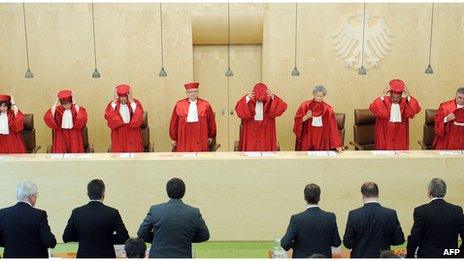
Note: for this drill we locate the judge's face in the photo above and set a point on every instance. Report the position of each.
(66, 105)
(460, 99)
(3, 107)
(318, 96)
(192, 94)
(123, 99)
(395, 97)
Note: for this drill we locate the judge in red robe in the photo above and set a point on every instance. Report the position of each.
(66, 119)
(258, 111)
(449, 124)
(315, 126)
(124, 117)
(392, 116)
(11, 126)
(192, 125)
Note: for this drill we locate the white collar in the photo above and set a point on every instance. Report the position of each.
(195, 101)
(98, 200)
(312, 206)
(371, 200)
(26, 202)
(432, 199)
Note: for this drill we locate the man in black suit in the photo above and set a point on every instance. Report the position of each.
(437, 226)
(24, 230)
(372, 228)
(95, 226)
(171, 227)
(312, 231)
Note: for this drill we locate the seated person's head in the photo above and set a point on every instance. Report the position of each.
(135, 248)
(96, 189)
(312, 194)
(175, 188)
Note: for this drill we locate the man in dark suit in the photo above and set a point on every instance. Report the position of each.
(95, 226)
(24, 230)
(312, 231)
(372, 228)
(437, 226)
(171, 227)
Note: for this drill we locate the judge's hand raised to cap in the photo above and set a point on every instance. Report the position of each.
(270, 93)
(386, 91)
(406, 91)
(129, 97)
(450, 117)
(251, 95)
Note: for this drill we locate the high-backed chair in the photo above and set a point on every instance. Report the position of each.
(340, 118)
(429, 130)
(237, 142)
(29, 134)
(88, 147)
(147, 145)
(363, 130)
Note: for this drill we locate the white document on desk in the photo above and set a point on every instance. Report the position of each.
(126, 155)
(252, 153)
(268, 154)
(189, 155)
(383, 153)
(6, 158)
(57, 156)
(450, 152)
(326, 153)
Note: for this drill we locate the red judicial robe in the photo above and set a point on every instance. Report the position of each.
(259, 135)
(448, 136)
(13, 142)
(393, 135)
(192, 136)
(125, 137)
(310, 137)
(67, 140)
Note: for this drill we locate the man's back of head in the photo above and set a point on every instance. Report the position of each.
(27, 192)
(370, 190)
(135, 248)
(96, 189)
(312, 194)
(175, 188)
(437, 188)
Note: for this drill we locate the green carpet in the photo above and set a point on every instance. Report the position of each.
(212, 249)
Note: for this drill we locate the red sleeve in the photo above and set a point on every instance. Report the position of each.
(243, 109)
(278, 107)
(18, 122)
(136, 120)
(173, 125)
(379, 109)
(412, 108)
(50, 120)
(335, 139)
(440, 121)
(113, 119)
(298, 124)
(81, 119)
(211, 122)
